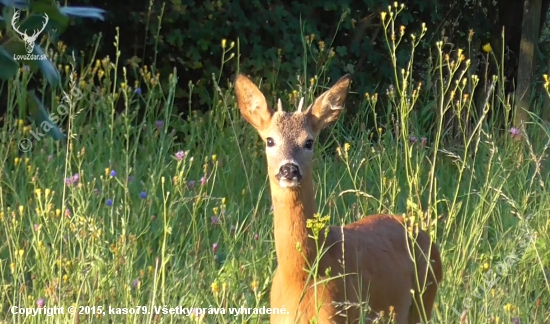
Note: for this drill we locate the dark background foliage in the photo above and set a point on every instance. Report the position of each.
(270, 36)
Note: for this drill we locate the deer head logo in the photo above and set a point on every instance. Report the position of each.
(29, 40)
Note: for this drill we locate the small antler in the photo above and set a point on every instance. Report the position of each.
(279, 105)
(300, 104)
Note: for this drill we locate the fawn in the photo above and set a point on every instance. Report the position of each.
(378, 259)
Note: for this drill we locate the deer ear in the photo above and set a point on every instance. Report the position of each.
(327, 107)
(252, 103)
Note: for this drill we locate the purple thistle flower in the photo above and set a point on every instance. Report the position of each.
(191, 183)
(109, 202)
(159, 124)
(203, 181)
(214, 247)
(256, 236)
(130, 178)
(413, 139)
(179, 155)
(36, 227)
(135, 283)
(40, 302)
(215, 220)
(112, 173)
(68, 212)
(96, 191)
(514, 132)
(72, 180)
(143, 195)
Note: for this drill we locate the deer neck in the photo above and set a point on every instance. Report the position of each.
(292, 208)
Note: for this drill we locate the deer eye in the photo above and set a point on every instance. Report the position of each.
(270, 142)
(309, 144)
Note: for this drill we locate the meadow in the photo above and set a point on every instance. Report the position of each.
(154, 209)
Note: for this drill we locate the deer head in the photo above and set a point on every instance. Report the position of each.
(289, 137)
(29, 40)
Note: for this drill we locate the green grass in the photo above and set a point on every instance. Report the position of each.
(140, 228)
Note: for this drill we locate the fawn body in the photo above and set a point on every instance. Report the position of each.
(375, 259)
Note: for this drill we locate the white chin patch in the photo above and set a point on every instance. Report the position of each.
(284, 183)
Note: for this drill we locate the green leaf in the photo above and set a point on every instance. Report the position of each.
(16, 46)
(49, 71)
(9, 66)
(406, 18)
(57, 19)
(18, 4)
(342, 51)
(41, 118)
(83, 12)
(47, 67)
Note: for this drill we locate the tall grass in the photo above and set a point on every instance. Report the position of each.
(159, 210)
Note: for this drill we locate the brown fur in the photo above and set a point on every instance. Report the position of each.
(376, 249)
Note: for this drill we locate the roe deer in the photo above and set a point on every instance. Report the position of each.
(380, 260)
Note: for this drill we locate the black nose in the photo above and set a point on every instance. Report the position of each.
(290, 171)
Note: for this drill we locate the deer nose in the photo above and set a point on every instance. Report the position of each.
(290, 171)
